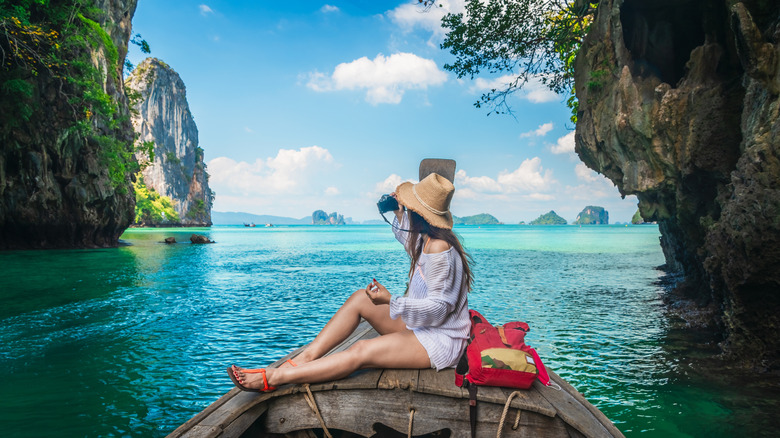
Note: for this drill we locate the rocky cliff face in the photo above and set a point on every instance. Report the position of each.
(679, 105)
(56, 190)
(163, 116)
(592, 215)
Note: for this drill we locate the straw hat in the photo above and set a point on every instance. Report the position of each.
(430, 198)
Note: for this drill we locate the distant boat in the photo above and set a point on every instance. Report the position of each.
(269, 225)
(249, 225)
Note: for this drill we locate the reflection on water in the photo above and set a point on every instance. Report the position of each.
(134, 340)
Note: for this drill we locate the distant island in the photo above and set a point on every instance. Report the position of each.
(477, 219)
(592, 215)
(238, 218)
(549, 218)
(319, 217)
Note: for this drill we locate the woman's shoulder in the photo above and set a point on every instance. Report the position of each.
(436, 246)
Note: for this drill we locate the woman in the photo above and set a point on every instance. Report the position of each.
(427, 328)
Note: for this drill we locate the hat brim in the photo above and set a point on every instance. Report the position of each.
(405, 195)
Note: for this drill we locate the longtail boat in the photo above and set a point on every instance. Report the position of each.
(396, 403)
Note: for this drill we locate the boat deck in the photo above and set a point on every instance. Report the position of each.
(392, 402)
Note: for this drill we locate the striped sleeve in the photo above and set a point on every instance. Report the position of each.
(400, 235)
(442, 280)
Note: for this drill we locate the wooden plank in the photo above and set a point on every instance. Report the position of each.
(443, 383)
(238, 426)
(402, 379)
(199, 431)
(440, 383)
(197, 418)
(573, 411)
(361, 379)
(358, 411)
(529, 400)
(235, 407)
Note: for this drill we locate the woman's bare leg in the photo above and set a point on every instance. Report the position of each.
(346, 320)
(395, 350)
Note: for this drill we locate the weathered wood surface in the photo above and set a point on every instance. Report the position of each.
(367, 398)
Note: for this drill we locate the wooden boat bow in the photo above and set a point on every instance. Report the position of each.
(393, 402)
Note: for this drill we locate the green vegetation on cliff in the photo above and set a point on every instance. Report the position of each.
(150, 207)
(549, 218)
(637, 218)
(50, 75)
(592, 215)
(477, 219)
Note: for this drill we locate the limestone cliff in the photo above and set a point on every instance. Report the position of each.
(162, 115)
(62, 149)
(592, 215)
(679, 105)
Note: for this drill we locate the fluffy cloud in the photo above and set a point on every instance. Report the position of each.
(564, 145)
(584, 173)
(205, 10)
(386, 186)
(596, 186)
(290, 172)
(329, 8)
(528, 179)
(409, 16)
(385, 78)
(541, 131)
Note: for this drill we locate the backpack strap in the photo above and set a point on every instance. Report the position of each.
(461, 370)
(473, 409)
(502, 334)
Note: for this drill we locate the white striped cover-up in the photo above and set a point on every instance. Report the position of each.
(436, 308)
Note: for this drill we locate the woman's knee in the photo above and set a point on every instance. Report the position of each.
(360, 353)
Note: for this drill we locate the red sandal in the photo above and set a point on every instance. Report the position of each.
(233, 377)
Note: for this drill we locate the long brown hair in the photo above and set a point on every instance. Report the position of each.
(417, 226)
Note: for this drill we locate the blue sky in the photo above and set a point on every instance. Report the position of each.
(305, 105)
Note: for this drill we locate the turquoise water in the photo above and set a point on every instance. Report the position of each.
(133, 341)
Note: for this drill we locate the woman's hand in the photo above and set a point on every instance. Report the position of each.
(400, 212)
(377, 293)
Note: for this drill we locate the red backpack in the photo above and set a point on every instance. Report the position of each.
(497, 356)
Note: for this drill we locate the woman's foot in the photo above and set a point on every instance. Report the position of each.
(261, 380)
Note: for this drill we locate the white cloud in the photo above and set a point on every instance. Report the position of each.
(248, 129)
(332, 191)
(385, 78)
(536, 92)
(596, 186)
(411, 15)
(289, 172)
(530, 177)
(205, 10)
(541, 131)
(584, 173)
(482, 85)
(387, 186)
(564, 145)
(329, 8)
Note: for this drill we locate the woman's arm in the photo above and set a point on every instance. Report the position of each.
(443, 283)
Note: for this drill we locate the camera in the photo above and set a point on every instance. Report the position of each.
(387, 203)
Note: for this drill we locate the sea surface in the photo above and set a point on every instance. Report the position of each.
(134, 341)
